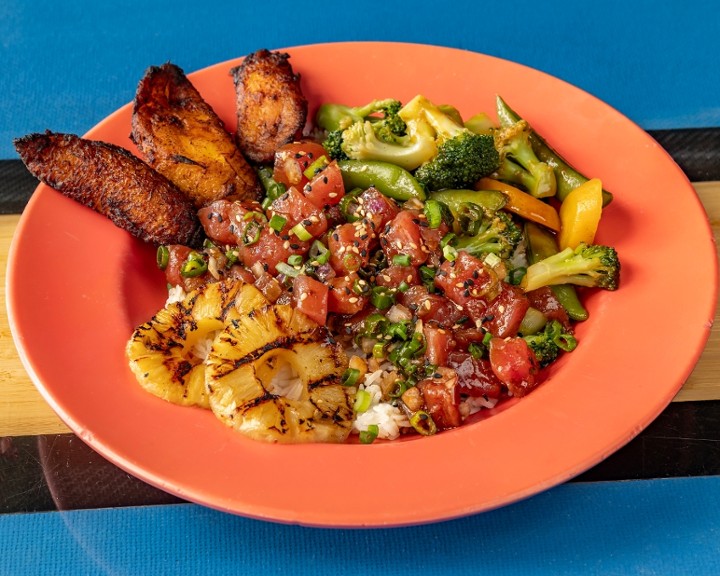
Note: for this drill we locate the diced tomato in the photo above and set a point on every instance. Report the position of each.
(401, 236)
(475, 375)
(326, 188)
(349, 246)
(442, 399)
(342, 298)
(506, 311)
(241, 273)
(394, 276)
(224, 221)
(270, 249)
(427, 306)
(377, 208)
(544, 300)
(432, 236)
(439, 342)
(514, 363)
(292, 159)
(298, 210)
(466, 278)
(178, 255)
(311, 298)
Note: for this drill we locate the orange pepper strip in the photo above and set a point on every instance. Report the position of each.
(523, 204)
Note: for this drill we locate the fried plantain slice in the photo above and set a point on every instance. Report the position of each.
(113, 182)
(271, 108)
(181, 136)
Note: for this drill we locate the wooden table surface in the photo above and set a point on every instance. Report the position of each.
(23, 411)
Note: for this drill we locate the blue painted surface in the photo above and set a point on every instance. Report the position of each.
(66, 65)
(648, 527)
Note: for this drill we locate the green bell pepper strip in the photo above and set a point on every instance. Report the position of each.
(391, 180)
(568, 178)
(541, 244)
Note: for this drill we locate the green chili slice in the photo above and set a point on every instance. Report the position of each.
(286, 269)
(251, 234)
(194, 266)
(423, 423)
(319, 253)
(295, 260)
(163, 257)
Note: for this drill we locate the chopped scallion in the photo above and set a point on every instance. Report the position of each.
(301, 232)
(401, 260)
(277, 222)
(381, 297)
(286, 269)
(194, 266)
(363, 400)
(295, 260)
(315, 167)
(350, 377)
(433, 213)
(368, 436)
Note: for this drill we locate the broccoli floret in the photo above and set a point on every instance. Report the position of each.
(493, 232)
(331, 117)
(548, 344)
(375, 132)
(591, 265)
(462, 156)
(333, 145)
(363, 141)
(519, 164)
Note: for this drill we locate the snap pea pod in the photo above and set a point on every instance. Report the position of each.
(542, 244)
(391, 180)
(489, 199)
(568, 178)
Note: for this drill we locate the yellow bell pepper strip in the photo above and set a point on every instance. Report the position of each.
(522, 203)
(580, 215)
(568, 178)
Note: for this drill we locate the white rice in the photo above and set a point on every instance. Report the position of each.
(388, 418)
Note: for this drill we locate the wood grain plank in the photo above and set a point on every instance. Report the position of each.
(23, 411)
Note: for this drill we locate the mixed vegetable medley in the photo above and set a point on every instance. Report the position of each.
(446, 257)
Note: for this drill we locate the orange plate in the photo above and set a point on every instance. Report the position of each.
(78, 286)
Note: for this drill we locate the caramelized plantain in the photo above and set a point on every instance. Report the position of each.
(181, 136)
(271, 108)
(113, 182)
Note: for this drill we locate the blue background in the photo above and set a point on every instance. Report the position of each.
(66, 65)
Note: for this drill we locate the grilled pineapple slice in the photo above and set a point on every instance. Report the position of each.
(255, 351)
(166, 353)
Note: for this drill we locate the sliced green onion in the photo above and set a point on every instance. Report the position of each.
(319, 252)
(476, 350)
(273, 189)
(403, 286)
(378, 350)
(209, 244)
(315, 167)
(492, 260)
(401, 386)
(295, 260)
(301, 232)
(449, 252)
(255, 215)
(232, 257)
(486, 339)
(352, 262)
(286, 269)
(163, 257)
(194, 266)
(361, 287)
(368, 436)
(398, 329)
(350, 377)
(447, 240)
(433, 213)
(363, 399)
(381, 297)
(374, 324)
(277, 222)
(401, 260)
(423, 423)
